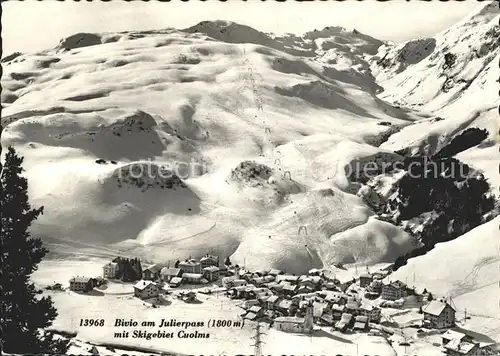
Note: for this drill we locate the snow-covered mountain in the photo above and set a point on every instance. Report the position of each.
(453, 78)
(171, 143)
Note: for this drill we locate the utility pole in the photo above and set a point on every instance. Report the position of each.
(258, 341)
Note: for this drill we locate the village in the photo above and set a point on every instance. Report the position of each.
(295, 304)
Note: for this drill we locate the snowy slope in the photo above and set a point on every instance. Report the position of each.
(465, 269)
(248, 138)
(210, 97)
(453, 79)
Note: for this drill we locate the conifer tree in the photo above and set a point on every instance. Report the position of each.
(23, 314)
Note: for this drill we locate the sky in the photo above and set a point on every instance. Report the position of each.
(31, 26)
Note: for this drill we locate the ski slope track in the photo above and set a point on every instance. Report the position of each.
(267, 127)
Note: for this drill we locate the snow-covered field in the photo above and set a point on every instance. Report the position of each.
(260, 133)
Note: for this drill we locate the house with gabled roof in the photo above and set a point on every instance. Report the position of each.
(208, 261)
(152, 273)
(438, 315)
(287, 278)
(284, 306)
(110, 270)
(190, 266)
(166, 274)
(211, 273)
(272, 302)
(394, 290)
(146, 289)
(365, 279)
(289, 289)
(455, 335)
(81, 284)
(360, 322)
(275, 272)
(175, 282)
(462, 348)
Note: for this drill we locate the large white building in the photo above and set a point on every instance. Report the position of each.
(393, 291)
(110, 270)
(208, 261)
(190, 266)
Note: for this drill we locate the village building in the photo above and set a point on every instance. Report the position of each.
(272, 302)
(208, 261)
(250, 293)
(360, 322)
(175, 282)
(275, 287)
(269, 279)
(284, 306)
(260, 273)
(190, 266)
(250, 316)
(146, 289)
(313, 282)
(275, 272)
(373, 313)
(330, 286)
(336, 297)
(166, 274)
(224, 271)
(455, 335)
(262, 297)
(304, 290)
(337, 311)
(292, 324)
(193, 278)
(375, 286)
(237, 292)
(244, 274)
(239, 282)
(211, 273)
(110, 270)
(81, 284)
(257, 310)
(287, 278)
(438, 315)
(289, 290)
(247, 304)
(462, 348)
(393, 291)
(230, 282)
(187, 297)
(379, 275)
(314, 272)
(365, 280)
(344, 322)
(326, 319)
(319, 309)
(352, 308)
(151, 273)
(257, 281)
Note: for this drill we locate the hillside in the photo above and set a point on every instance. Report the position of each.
(441, 77)
(167, 144)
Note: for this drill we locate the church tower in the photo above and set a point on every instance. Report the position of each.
(308, 319)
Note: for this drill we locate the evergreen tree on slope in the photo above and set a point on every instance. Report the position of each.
(23, 313)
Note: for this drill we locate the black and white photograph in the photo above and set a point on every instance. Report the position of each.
(236, 177)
